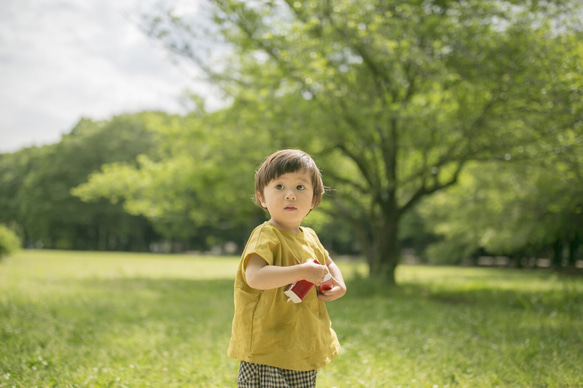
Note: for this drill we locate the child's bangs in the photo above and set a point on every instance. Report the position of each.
(289, 164)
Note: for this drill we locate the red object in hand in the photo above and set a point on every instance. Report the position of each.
(296, 292)
(327, 282)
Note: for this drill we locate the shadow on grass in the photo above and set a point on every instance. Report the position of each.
(481, 317)
(481, 328)
(507, 291)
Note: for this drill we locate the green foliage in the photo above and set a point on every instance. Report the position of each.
(508, 209)
(36, 183)
(395, 98)
(9, 241)
(111, 319)
(201, 177)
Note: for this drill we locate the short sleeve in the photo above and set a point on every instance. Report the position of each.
(263, 242)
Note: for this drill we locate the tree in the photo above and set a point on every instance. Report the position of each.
(398, 96)
(198, 184)
(35, 196)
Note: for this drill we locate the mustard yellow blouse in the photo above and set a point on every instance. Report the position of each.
(269, 330)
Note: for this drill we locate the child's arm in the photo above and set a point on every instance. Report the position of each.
(261, 276)
(339, 288)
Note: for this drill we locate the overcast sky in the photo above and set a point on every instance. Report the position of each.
(61, 60)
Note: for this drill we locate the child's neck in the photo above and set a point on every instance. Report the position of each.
(291, 228)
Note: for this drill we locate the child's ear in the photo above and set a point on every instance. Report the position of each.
(260, 198)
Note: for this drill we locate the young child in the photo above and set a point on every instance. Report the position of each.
(280, 343)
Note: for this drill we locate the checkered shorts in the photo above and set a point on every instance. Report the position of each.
(264, 376)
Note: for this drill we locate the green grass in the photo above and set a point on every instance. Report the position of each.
(76, 319)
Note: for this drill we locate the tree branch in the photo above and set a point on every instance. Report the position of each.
(347, 181)
(423, 191)
(360, 162)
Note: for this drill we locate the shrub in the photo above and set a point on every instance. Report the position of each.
(9, 241)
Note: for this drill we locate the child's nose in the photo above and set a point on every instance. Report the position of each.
(290, 194)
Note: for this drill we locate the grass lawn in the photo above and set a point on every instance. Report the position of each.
(85, 319)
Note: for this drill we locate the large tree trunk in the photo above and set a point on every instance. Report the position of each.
(386, 251)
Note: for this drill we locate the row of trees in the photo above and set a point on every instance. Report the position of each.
(451, 127)
(35, 185)
(156, 181)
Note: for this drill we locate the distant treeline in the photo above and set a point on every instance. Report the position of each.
(37, 200)
(36, 183)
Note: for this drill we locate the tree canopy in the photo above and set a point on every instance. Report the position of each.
(394, 97)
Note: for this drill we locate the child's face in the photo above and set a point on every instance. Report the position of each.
(288, 199)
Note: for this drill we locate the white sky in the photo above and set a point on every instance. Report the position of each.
(61, 60)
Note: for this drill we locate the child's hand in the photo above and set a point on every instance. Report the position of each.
(337, 291)
(313, 272)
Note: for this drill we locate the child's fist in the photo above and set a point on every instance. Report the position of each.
(314, 272)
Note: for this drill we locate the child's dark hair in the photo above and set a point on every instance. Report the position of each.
(284, 161)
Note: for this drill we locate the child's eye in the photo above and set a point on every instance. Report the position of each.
(279, 187)
(301, 187)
